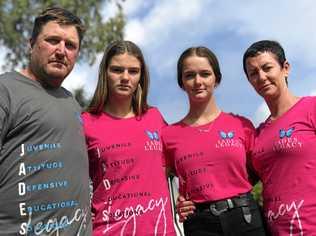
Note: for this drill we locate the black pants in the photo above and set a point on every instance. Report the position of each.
(229, 223)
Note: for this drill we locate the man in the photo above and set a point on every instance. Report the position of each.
(44, 187)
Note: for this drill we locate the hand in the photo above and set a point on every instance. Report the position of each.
(184, 208)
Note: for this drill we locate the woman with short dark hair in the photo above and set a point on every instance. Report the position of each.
(284, 150)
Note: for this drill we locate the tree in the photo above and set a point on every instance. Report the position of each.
(80, 96)
(16, 22)
(257, 193)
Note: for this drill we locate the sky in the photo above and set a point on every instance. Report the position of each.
(163, 29)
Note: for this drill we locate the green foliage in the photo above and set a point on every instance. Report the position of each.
(16, 22)
(257, 192)
(79, 95)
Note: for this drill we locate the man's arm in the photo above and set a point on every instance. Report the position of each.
(4, 123)
(4, 114)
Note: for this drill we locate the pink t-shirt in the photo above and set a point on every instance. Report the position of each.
(285, 159)
(210, 160)
(130, 194)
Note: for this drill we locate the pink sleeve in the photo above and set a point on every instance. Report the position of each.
(313, 112)
(164, 159)
(163, 124)
(249, 131)
(95, 167)
(167, 158)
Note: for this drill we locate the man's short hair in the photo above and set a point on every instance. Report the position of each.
(60, 16)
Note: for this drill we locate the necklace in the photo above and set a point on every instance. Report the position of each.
(206, 128)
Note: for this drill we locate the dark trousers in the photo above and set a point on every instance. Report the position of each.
(229, 223)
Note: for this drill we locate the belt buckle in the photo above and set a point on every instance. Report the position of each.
(215, 211)
(230, 203)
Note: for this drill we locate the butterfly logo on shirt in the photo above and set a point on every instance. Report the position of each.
(286, 133)
(228, 135)
(152, 135)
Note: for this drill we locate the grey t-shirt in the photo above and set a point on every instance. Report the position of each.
(44, 183)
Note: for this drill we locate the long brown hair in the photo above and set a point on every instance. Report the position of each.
(100, 97)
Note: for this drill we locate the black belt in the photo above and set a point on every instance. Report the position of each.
(218, 207)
